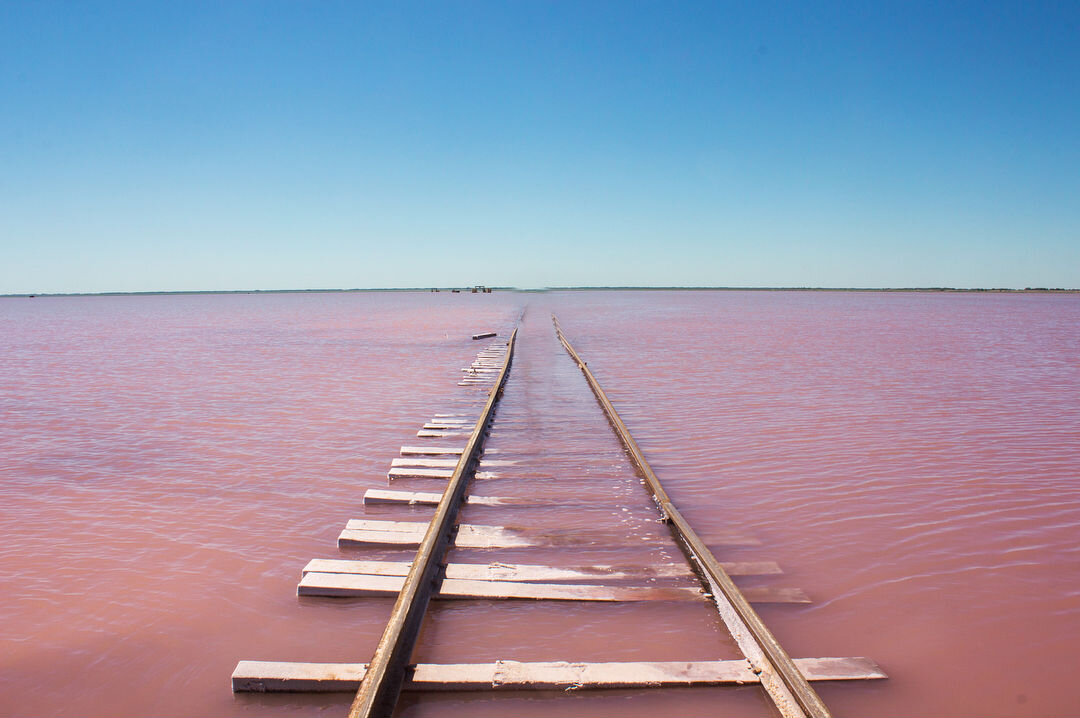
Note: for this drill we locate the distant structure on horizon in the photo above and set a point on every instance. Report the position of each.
(478, 289)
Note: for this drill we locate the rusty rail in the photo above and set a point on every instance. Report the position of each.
(786, 685)
(379, 691)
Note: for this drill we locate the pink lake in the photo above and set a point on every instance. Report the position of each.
(168, 464)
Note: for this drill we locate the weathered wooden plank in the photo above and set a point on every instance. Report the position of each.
(569, 537)
(417, 472)
(346, 585)
(336, 584)
(417, 461)
(389, 496)
(430, 434)
(501, 571)
(426, 463)
(484, 335)
(272, 677)
(498, 571)
(371, 532)
(445, 463)
(424, 498)
(431, 450)
(351, 538)
(407, 538)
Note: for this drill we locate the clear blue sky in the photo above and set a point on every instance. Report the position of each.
(243, 145)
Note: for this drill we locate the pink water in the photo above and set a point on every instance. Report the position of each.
(168, 464)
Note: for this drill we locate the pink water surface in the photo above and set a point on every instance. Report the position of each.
(168, 464)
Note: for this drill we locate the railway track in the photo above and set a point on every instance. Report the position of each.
(453, 466)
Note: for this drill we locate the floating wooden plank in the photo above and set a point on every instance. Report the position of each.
(448, 463)
(387, 496)
(350, 538)
(498, 571)
(452, 420)
(408, 538)
(426, 498)
(346, 585)
(431, 450)
(485, 335)
(428, 434)
(504, 571)
(568, 537)
(275, 677)
(371, 532)
(427, 463)
(406, 472)
(444, 426)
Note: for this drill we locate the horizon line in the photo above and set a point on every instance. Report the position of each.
(468, 290)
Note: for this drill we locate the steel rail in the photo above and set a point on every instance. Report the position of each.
(379, 691)
(786, 685)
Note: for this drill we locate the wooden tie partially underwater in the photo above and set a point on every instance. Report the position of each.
(415, 583)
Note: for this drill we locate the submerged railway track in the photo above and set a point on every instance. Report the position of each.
(429, 575)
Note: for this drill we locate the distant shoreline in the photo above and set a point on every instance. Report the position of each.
(466, 290)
